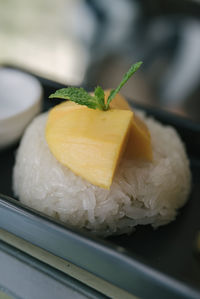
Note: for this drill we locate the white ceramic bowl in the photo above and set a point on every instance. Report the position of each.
(20, 101)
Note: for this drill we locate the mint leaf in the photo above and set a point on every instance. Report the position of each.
(77, 95)
(125, 78)
(99, 94)
(82, 97)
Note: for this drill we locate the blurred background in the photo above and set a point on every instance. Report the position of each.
(90, 42)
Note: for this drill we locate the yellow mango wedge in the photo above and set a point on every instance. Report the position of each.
(139, 143)
(89, 142)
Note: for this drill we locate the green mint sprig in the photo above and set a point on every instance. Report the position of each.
(77, 95)
(125, 78)
(82, 97)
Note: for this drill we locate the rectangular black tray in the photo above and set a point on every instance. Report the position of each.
(150, 263)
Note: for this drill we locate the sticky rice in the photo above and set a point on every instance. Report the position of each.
(141, 193)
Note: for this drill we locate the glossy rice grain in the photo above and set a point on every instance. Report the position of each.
(141, 193)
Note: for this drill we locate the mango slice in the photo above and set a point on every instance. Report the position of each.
(139, 143)
(89, 142)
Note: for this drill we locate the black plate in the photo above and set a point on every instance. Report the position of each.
(150, 263)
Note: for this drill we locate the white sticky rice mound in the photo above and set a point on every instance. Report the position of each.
(141, 193)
